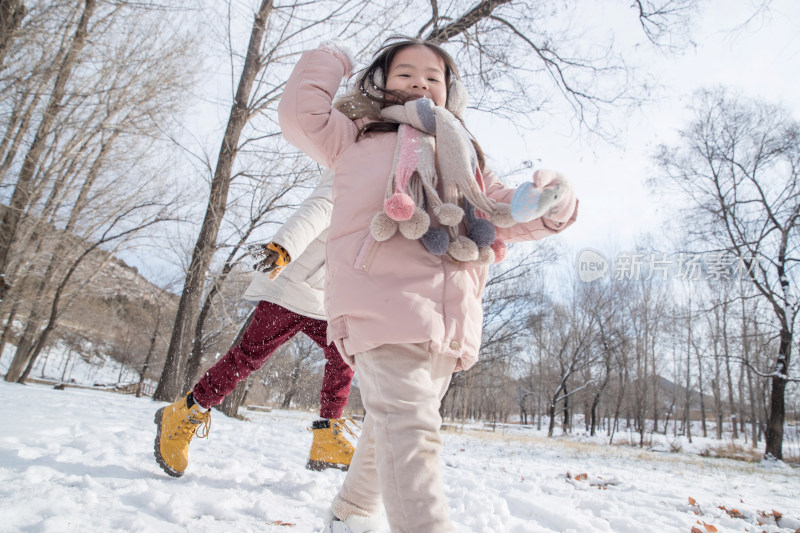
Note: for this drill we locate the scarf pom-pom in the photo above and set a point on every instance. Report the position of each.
(485, 255)
(482, 232)
(463, 249)
(436, 241)
(382, 227)
(449, 214)
(399, 206)
(416, 226)
(500, 250)
(502, 217)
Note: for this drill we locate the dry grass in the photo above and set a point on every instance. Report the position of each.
(748, 457)
(734, 451)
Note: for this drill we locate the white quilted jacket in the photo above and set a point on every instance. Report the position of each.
(300, 286)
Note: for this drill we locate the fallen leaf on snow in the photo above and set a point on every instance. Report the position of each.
(733, 513)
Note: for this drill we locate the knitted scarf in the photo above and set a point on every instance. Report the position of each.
(430, 137)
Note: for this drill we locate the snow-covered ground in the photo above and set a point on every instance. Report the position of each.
(82, 460)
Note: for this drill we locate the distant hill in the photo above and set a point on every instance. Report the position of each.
(106, 302)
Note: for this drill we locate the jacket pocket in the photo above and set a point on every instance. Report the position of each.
(366, 253)
(316, 278)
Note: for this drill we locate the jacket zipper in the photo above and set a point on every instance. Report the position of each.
(366, 253)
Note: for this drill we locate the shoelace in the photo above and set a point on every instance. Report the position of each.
(197, 426)
(343, 422)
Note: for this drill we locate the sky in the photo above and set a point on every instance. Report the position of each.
(759, 57)
(79, 460)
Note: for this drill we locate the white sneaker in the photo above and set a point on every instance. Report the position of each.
(354, 524)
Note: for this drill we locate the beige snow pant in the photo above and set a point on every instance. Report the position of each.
(397, 455)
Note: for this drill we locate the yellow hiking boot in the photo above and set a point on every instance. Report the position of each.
(177, 424)
(331, 449)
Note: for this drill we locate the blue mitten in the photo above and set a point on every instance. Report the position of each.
(529, 202)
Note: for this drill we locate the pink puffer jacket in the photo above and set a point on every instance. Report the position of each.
(393, 291)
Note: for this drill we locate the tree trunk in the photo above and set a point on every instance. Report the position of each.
(687, 409)
(230, 405)
(287, 399)
(66, 365)
(715, 386)
(21, 195)
(728, 374)
(552, 410)
(655, 381)
(53, 317)
(716, 380)
(7, 329)
(178, 353)
(45, 333)
(150, 351)
(777, 400)
(21, 356)
(11, 15)
(196, 355)
(539, 410)
(12, 143)
(700, 392)
(59, 251)
(593, 411)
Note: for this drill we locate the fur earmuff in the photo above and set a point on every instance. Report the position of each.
(457, 98)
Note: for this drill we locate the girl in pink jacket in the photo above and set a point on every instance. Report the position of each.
(417, 219)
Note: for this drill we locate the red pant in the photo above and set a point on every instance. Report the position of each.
(272, 326)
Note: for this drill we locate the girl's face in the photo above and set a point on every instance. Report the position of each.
(417, 72)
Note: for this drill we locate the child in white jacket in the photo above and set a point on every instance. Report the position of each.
(287, 304)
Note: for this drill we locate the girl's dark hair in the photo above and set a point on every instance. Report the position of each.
(368, 96)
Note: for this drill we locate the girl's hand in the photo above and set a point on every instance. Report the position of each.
(340, 51)
(550, 196)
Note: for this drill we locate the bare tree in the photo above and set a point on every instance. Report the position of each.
(116, 231)
(612, 339)
(511, 293)
(263, 202)
(92, 169)
(736, 167)
(567, 337)
(169, 387)
(523, 60)
(21, 195)
(11, 14)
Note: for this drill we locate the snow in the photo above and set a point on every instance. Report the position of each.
(82, 460)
